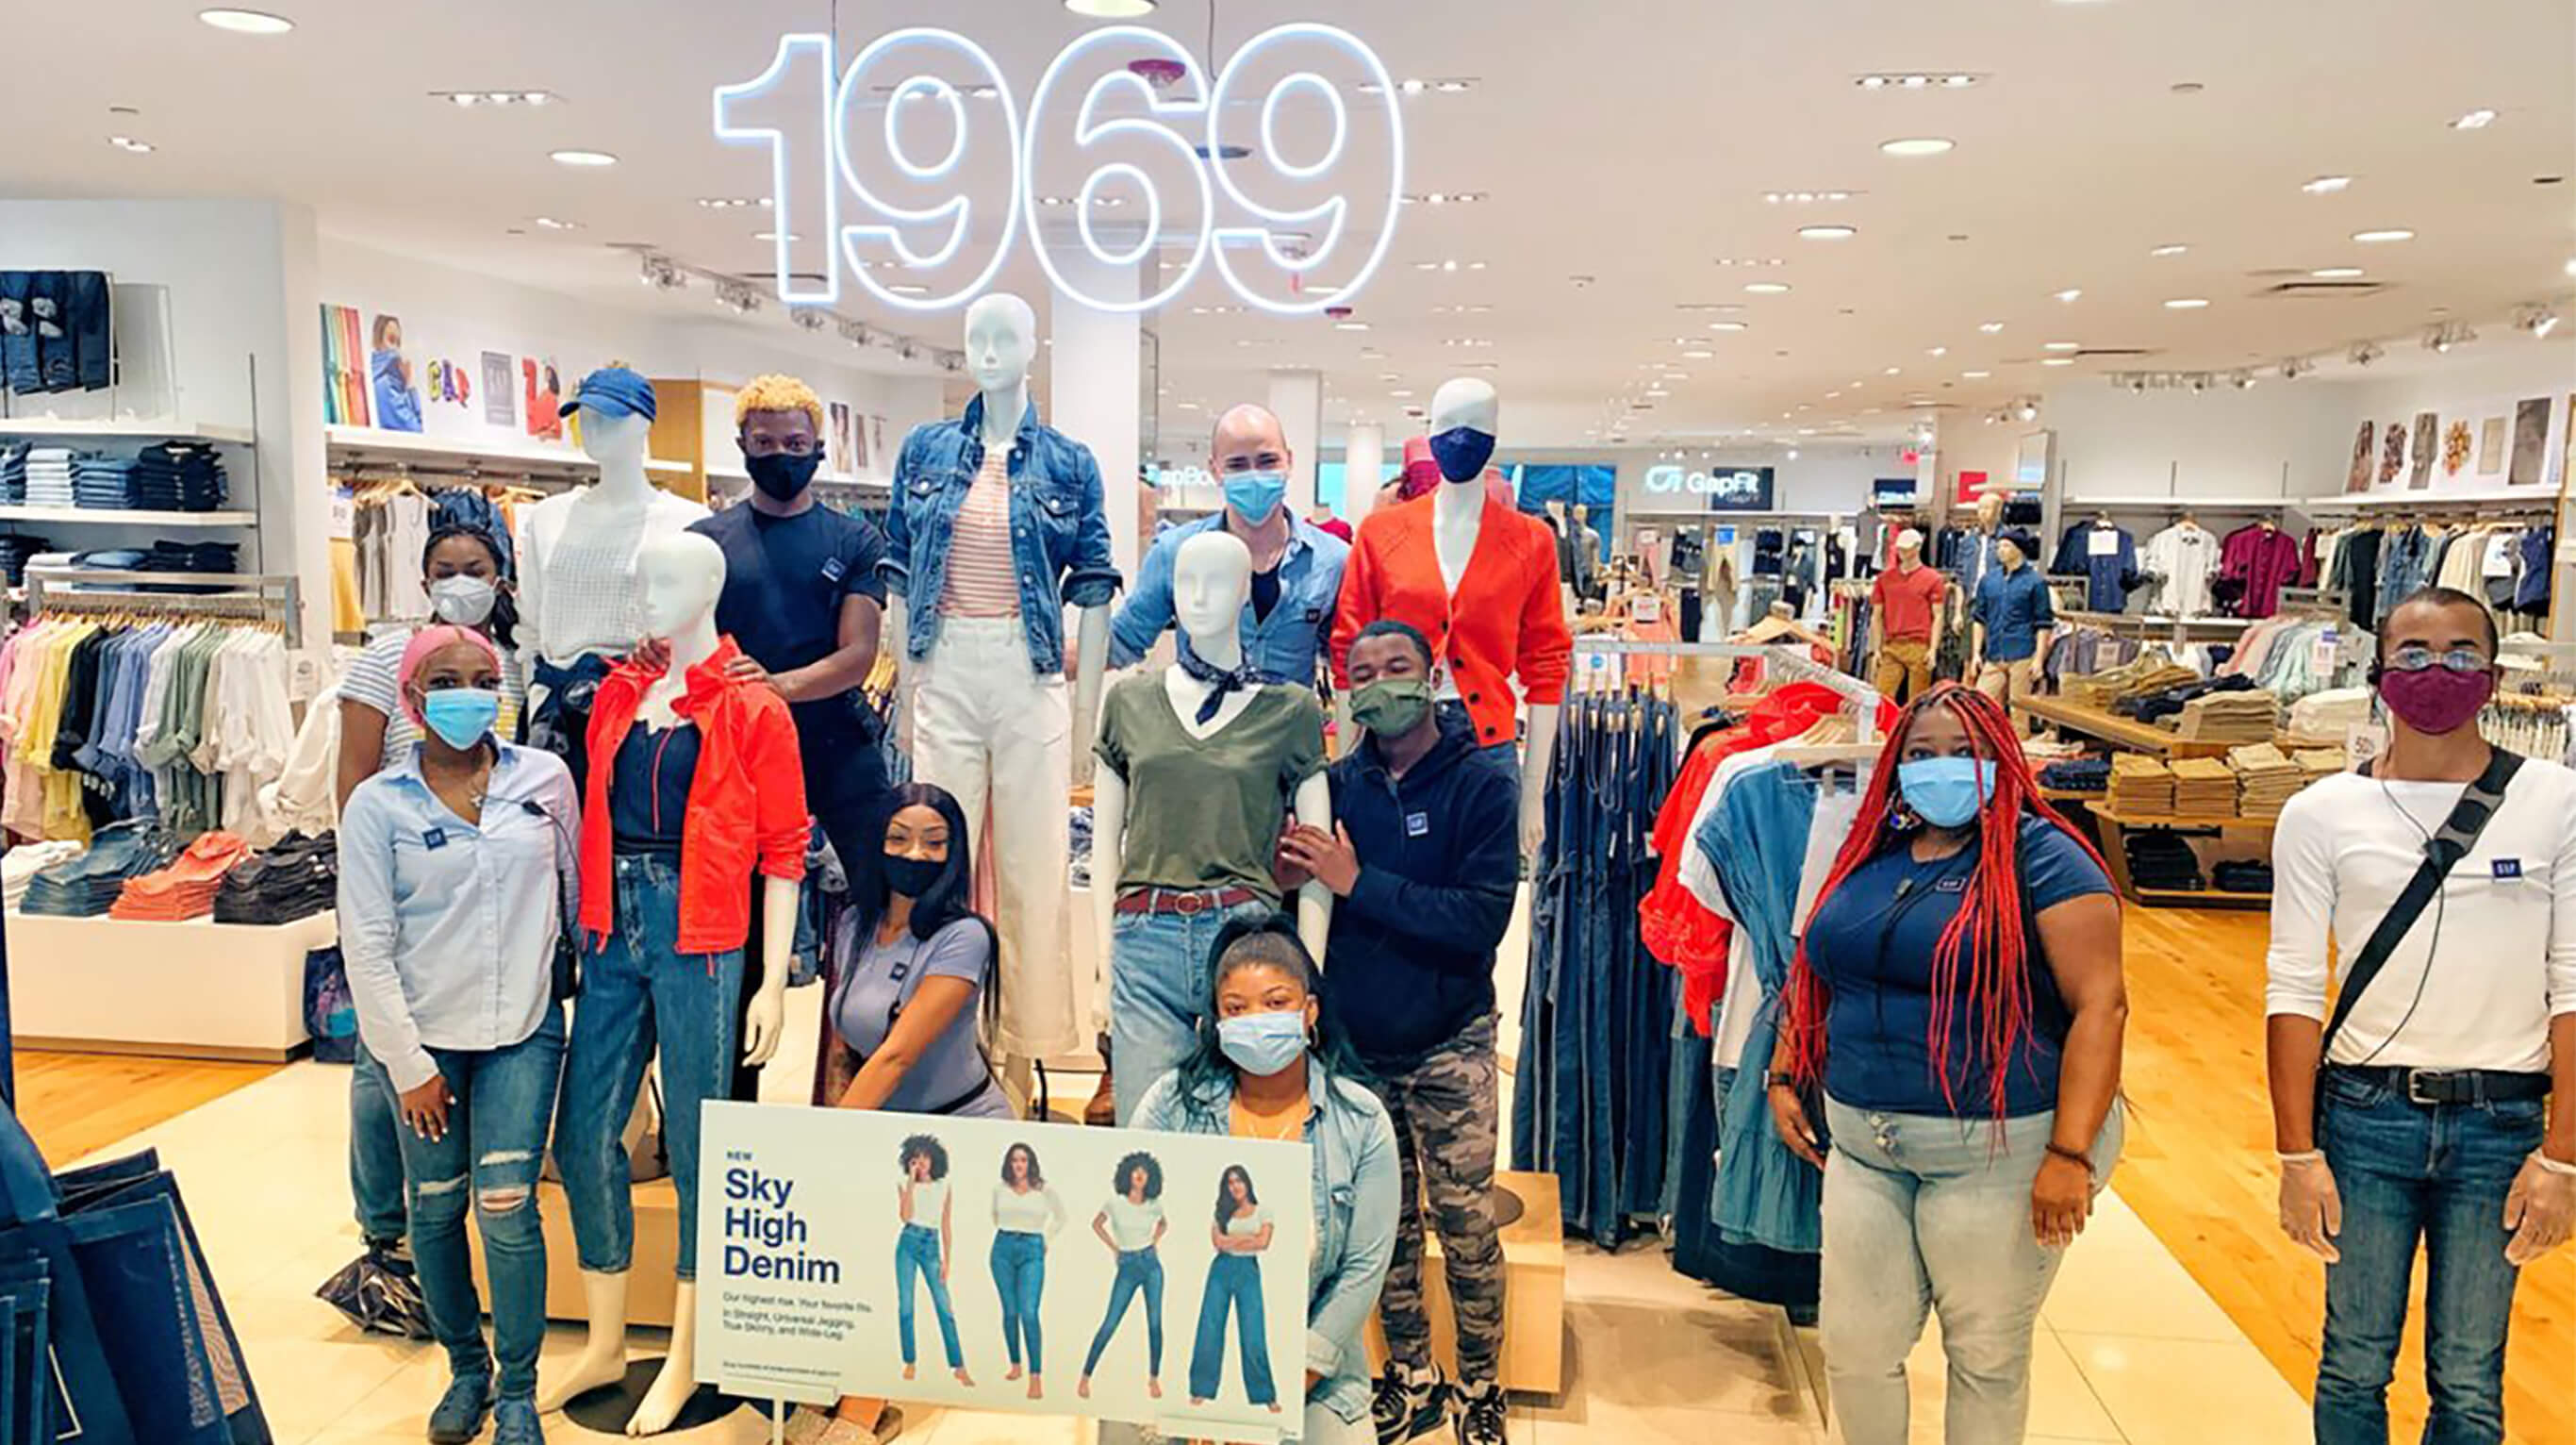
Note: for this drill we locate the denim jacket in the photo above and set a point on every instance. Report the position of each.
(1282, 647)
(1357, 1190)
(1059, 527)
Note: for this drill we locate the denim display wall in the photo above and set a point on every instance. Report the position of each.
(57, 332)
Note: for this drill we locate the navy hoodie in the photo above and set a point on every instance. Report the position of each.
(1410, 962)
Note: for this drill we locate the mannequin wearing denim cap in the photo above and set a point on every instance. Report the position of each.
(455, 875)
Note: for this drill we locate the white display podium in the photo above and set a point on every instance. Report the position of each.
(193, 990)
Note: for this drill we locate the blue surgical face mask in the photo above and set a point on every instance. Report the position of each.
(1254, 496)
(1462, 452)
(1263, 1044)
(1946, 792)
(461, 716)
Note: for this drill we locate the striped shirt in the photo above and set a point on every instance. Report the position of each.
(980, 578)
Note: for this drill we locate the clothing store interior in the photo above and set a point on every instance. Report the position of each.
(1761, 714)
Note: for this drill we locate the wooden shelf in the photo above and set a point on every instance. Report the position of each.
(117, 517)
(2111, 727)
(104, 429)
(2184, 820)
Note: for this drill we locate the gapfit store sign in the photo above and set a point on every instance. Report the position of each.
(916, 172)
(1735, 489)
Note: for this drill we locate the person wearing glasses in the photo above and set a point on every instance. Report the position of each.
(802, 599)
(2439, 1103)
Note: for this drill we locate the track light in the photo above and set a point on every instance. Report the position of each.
(2448, 334)
(2028, 410)
(2242, 379)
(2536, 318)
(2294, 367)
(808, 318)
(2363, 353)
(659, 273)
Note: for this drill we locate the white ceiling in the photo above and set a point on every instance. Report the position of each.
(1628, 140)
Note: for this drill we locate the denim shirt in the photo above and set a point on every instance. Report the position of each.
(1059, 527)
(2015, 608)
(448, 928)
(1357, 1189)
(1283, 647)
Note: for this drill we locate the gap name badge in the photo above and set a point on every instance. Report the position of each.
(2508, 869)
(1417, 825)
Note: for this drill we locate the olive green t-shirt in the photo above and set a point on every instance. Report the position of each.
(1206, 812)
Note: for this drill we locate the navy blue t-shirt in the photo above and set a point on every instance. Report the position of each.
(785, 580)
(1873, 942)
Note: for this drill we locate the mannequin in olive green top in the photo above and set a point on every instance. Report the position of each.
(1186, 815)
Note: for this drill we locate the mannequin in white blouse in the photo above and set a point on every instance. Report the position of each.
(624, 502)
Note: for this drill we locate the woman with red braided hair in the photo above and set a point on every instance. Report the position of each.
(1959, 1000)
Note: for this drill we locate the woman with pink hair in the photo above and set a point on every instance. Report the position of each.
(456, 884)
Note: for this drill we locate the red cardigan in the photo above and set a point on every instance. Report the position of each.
(746, 800)
(1506, 620)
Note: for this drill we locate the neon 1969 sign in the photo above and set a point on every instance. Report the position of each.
(1174, 159)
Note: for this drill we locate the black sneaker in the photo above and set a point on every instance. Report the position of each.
(1408, 1403)
(1480, 1413)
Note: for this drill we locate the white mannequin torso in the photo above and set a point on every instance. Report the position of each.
(624, 504)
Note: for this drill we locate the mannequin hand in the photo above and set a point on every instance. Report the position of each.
(760, 1026)
(1328, 858)
(2060, 1198)
(425, 1109)
(1533, 822)
(2539, 1209)
(1789, 1117)
(2312, 1208)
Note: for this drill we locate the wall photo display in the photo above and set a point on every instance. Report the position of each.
(2357, 479)
(2420, 452)
(2392, 452)
(2491, 446)
(2530, 442)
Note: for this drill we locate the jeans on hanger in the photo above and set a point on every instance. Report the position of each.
(1019, 1276)
(916, 1257)
(133, 1263)
(490, 1156)
(639, 994)
(375, 1149)
(1233, 1284)
(1160, 977)
(1140, 1272)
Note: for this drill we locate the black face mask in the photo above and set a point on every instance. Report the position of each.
(782, 476)
(912, 877)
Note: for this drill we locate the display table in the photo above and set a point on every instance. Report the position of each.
(2115, 857)
(193, 990)
(2110, 727)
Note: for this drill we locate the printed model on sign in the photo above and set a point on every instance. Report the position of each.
(1132, 1225)
(1241, 1233)
(921, 1252)
(1027, 1212)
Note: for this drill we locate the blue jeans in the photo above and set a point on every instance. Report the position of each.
(1233, 1282)
(637, 990)
(1140, 1272)
(1019, 1276)
(1160, 976)
(2438, 1173)
(375, 1150)
(495, 1144)
(916, 1254)
(1919, 1211)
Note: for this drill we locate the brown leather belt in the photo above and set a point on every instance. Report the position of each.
(1185, 902)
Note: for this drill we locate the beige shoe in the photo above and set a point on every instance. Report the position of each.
(807, 1425)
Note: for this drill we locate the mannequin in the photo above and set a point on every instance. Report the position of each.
(2013, 616)
(1491, 604)
(680, 975)
(984, 709)
(1211, 578)
(1981, 547)
(1908, 617)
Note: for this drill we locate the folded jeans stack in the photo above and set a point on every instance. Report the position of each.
(2204, 788)
(87, 886)
(13, 472)
(103, 482)
(2265, 780)
(21, 864)
(2230, 717)
(16, 551)
(190, 557)
(49, 476)
(2150, 673)
(2141, 786)
(180, 477)
(2315, 763)
(186, 888)
(296, 877)
(2244, 875)
(2077, 775)
(2162, 861)
(2155, 705)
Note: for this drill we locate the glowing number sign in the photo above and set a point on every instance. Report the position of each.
(1170, 154)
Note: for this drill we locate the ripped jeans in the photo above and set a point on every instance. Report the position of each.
(495, 1144)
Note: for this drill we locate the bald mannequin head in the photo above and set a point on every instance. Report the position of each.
(1249, 438)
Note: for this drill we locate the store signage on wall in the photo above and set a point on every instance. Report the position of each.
(1737, 489)
(924, 145)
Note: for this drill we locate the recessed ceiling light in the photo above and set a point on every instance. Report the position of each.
(2337, 273)
(1657, 391)
(1110, 9)
(1976, 375)
(1930, 145)
(1350, 326)
(2062, 346)
(583, 158)
(130, 145)
(2475, 120)
(2071, 294)
(1700, 353)
(791, 237)
(247, 22)
(2174, 250)
(2373, 238)
(1893, 371)
(1768, 288)
(2325, 185)
(549, 223)
(1827, 233)
(1990, 327)
(1401, 391)
(908, 288)
(2058, 361)
(464, 99)
(1938, 351)
(2187, 303)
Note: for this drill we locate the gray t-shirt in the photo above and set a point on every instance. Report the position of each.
(1206, 812)
(881, 979)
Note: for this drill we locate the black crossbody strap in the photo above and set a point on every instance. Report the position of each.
(2459, 834)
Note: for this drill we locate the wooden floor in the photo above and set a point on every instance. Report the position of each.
(2199, 1171)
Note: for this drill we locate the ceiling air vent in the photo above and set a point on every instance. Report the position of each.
(2309, 289)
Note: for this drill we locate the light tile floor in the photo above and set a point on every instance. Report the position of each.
(2130, 1350)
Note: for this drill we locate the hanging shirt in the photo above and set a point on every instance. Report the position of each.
(2106, 557)
(2261, 560)
(2185, 555)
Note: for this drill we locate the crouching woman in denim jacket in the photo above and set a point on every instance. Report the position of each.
(1269, 1067)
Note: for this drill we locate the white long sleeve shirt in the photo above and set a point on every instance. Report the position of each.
(2488, 965)
(2185, 555)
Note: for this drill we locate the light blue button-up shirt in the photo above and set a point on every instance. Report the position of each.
(448, 928)
(1283, 647)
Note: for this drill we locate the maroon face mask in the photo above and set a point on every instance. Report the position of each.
(2435, 699)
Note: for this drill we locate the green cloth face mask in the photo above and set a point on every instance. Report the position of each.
(1392, 706)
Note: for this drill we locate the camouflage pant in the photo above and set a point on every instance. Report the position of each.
(1447, 1114)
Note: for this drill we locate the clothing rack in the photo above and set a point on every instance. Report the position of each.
(273, 598)
(1789, 664)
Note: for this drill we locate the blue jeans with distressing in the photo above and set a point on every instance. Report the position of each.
(1140, 1272)
(2438, 1173)
(494, 1146)
(1019, 1275)
(1233, 1283)
(1918, 1211)
(916, 1255)
(1159, 981)
(375, 1150)
(637, 991)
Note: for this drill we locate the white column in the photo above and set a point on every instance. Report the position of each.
(1297, 398)
(1363, 461)
(1095, 384)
